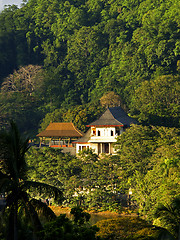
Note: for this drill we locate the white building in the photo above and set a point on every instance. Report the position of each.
(103, 132)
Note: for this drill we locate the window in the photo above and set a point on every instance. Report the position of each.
(99, 133)
(112, 133)
(94, 131)
(117, 132)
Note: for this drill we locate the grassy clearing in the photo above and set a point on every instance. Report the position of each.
(116, 226)
(126, 228)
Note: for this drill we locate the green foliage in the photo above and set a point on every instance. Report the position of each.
(92, 47)
(49, 158)
(135, 148)
(23, 89)
(149, 157)
(14, 185)
(85, 179)
(55, 116)
(79, 115)
(168, 217)
(63, 228)
(80, 217)
(156, 102)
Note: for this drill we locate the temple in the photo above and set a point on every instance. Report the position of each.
(60, 135)
(100, 137)
(103, 132)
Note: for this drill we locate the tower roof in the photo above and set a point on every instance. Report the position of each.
(114, 116)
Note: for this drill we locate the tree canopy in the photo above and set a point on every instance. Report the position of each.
(60, 60)
(88, 48)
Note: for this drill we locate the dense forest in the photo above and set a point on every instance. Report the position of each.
(147, 162)
(58, 58)
(66, 61)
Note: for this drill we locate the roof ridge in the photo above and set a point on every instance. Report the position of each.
(77, 129)
(108, 109)
(112, 114)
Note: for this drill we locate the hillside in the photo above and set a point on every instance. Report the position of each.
(58, 58)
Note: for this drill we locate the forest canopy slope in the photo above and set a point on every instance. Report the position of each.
(87, 48)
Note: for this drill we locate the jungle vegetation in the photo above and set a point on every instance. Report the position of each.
(147, 162)
(20, 208)
(68, 60)
(58, 58)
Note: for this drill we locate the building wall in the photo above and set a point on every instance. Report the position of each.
(81, 146)
(105, 134)
(101, 140)
(71, 150)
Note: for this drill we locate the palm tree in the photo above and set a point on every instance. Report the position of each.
(14, 183)
(169, 217)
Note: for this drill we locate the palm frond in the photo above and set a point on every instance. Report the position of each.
(43, 209)
(161, 208)
(169, 216)
(12, 154)
(165, 235)
(13, 175)
(50, 190)
(37, 226)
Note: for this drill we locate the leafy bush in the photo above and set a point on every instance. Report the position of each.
(65, 229)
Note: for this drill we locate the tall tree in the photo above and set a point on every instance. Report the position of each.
(157, 101)
(14, 183)
(23, 89)
(110, 99)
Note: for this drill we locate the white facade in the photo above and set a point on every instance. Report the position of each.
(82, 146)
(101, 140)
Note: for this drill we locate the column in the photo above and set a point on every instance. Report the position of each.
(101, 148)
